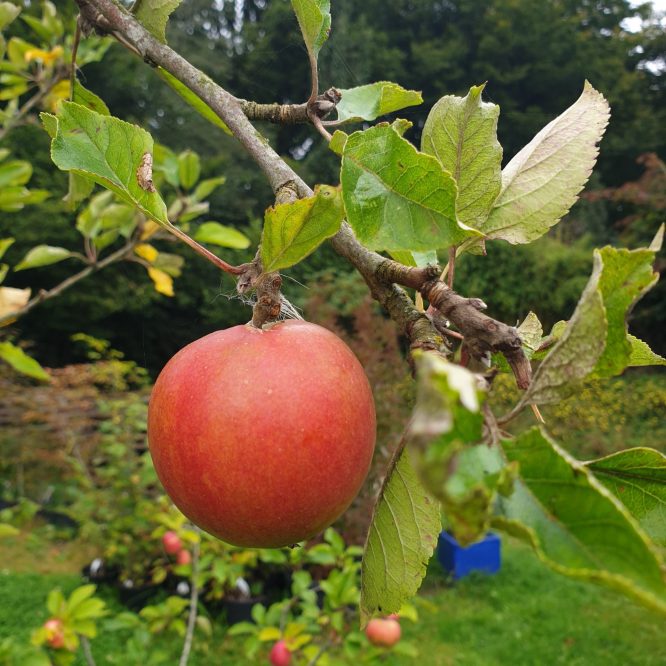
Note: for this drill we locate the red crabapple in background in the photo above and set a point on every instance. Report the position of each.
(172, 543)
(55, 635)
(280, 655)
(383, 632)
(183, 557)
(263, 437)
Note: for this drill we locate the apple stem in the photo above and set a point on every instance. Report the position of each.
(200, 249)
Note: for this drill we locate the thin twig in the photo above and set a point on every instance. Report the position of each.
(537, 414)
(451, 266)
(45, 295)
(87, 652)
(75, 50)
(194, 600)
(200, 249)
(316, 121)
(317, 656)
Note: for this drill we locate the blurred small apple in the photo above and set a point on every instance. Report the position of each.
(183, 557)
(280, 654)
(172, 543)
(383, 632)
(55, 635)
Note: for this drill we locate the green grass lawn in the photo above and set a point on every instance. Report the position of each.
(524, 615)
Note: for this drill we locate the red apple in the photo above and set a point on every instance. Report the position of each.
(55, 636)
(183, 557)
(280, 655)
(384, 633)
(172, 543)
(263, 437)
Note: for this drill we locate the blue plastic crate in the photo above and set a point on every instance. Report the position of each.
(484, 555)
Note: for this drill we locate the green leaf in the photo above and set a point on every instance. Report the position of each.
(218, 234)
(395, 197)
(338, 141)
(637, 477)
(414, 258)
(542, 182)
(166, 162)
(21, 362)
(401, 539)
(89, 609)
(78, 596)
(576, 353)
(89, 222)
(206, 187)
(242, 628)
(55, 603)
(641, 354)
(14, 199)
(15, 172)
(476, 474)
(294, 230)
(154, 15)
(626, 276)
(42, 255)
(575, 524)
(7, 530)
(5, 243)
(189, 168)
(88, 99)
(461, 132)
(192, 99)
(8, 12)
(50, 123)
(205, 625)
(80, 188)
(314, 18)
(375, 99)
(109, 151)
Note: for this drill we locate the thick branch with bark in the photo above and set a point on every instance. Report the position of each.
(382, 275)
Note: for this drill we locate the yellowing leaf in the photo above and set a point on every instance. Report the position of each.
(269, 634)
(12, 299)
(542, 182)
(58, 93)
(147, 252)
(149, 229)
(47, 57)
(163, 282)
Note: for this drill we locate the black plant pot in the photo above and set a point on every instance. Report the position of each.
(98, 571)
(276, 585)
(135, 598)
(240, 610)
